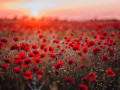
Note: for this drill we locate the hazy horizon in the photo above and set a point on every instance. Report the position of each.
(65, 9)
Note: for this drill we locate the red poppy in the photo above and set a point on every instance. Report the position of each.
(41, 36)
(58, 65)
(25, 47)
(4, 40)
(34, 47)
(96, 51)
(4, 66)
(15, 39)
(52, 55)
(28, 75)
(17, 70)
(43, 46)
(70, 61)
(39, 73)
(35, 68)
(13, 47)
(26, 62)
(42, 55)
(7, 60)
(21, 55)
(36, 53)
(37, 60)
(91, 43)
(110, 73)
(51, 49)
(69, 80)
(83, 87)
(85, 49)
(105, 58)
(18, 61)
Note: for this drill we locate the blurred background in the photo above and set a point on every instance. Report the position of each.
(63, 9)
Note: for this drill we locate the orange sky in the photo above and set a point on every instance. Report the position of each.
(71, 9)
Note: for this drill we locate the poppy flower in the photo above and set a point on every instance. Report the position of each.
(85, 49)
(58, 65)
(15, 39)
(43, 46)
(35, 68)
(110, 73)
(7, 60)
(69, 80)
(37, 60)
(36, 53)
(51, 49)
(21, 55)
(28, 75)
(91, 43)
(96, 51)
(18, 61)
(13, 47)
(26, 62)
(42, 55)
(105, 58)
(25, 47)
(39, 73)
(34, 47)
(30, 55)
(41, 36)
(4, 66)
(52, 55)
(4, 40)
(70, 61)
(83, 87)
(17, 70)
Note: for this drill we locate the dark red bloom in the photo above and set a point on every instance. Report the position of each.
(25, 47)
(91, 43)
(110, 73)
(39, 73)
(15, 39)
(37, 60)
(4, 40)
(85, 49)
(83, 87)
(52, 55)
(92, 77)
(51, 49)
(4, 66)
(27, 62)
(28, 75)
(21, 55)
(43, 46)
(35, 68)
(42, 55)
(36, 53)
(41, 36)
(18, 61)
(7, 60)
(58, 65)
(13, 47)
(34, 47)
(96, 51)
(105, 58)
(30, 55)
(69, 80)
(17, 70)
(70, 61)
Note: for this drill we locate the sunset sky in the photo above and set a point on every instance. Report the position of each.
(70, 9)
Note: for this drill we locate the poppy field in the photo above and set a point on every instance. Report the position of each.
(57, 54)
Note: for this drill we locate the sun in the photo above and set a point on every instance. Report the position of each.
(35, 13)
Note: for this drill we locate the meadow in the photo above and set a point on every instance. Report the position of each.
(52, 54)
